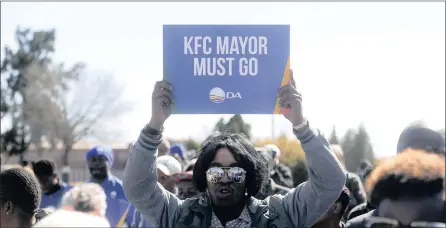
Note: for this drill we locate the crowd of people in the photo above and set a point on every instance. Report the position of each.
(230, 183)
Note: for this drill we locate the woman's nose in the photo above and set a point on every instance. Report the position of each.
(225, 179)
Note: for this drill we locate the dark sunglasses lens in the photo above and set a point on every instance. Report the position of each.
(214, 174)
(237, 174)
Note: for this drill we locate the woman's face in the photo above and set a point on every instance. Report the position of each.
(226, 186)
(186, 189)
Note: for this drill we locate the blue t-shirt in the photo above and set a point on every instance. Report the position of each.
(54, 199)
(119, 212)
(112, 187)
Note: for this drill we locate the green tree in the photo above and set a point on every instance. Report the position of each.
(357, 147)
(235, 125)
(35, 48)
(442, 132)
(333, 137)
(191, 144)
(220, 126)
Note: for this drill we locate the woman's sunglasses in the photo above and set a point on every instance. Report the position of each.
(235, 174)
(379, 222)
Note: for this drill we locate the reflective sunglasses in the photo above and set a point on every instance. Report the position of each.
(379, 222)
(235, 174)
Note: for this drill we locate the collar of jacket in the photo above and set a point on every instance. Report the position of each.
(256, 208)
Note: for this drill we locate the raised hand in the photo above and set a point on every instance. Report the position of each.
(291, 99)
(162, 100)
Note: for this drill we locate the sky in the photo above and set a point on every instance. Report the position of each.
(380, 64)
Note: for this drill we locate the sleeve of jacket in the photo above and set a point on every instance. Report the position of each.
(158, 206)
(311, 199)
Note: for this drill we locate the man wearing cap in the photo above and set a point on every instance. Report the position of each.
(99, 161)
(185, 186)
(281, 174)
(166, 166)
(179, 152)
(53, 188)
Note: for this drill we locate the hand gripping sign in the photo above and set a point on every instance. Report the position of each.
(226, 69)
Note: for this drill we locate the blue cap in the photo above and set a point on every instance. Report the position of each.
(107, 152)
(178, 149)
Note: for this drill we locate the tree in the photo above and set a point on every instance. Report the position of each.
(235, 125)
(291, 149)
(47, 86)
(95, 101)
(442, 132)
(191, 144)
(34, 48)
(291, 154)
(220, 126)
(334, 137)
(357, 147)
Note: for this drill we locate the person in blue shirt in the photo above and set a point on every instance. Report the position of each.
(53, 188)
(100, 161)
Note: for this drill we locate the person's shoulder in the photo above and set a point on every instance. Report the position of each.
(117, 183)
(115, 179)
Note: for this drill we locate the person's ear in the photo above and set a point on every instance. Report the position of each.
(8, 207)
(336, 209)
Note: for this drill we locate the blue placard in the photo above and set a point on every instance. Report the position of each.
(226, 69)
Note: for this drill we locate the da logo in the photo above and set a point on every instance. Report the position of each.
(218, 95)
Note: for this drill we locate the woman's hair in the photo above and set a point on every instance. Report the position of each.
(64, 218)
(87, 198)
(412, 173)
(22, 189)
(244, 153)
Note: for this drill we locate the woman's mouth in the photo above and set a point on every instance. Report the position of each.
(224, 192)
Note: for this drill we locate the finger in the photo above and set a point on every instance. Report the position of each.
(162, 85)
(165, 93)
(284, 98)
(283, 90)
(292, 81)
(163, 100)
(290, 103)
(290, 99)
(289, 96)
(287, 89)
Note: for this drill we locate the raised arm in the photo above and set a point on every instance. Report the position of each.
(157, 205)
(326, 178)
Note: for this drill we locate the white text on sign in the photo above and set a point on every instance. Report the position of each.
(246, 46)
